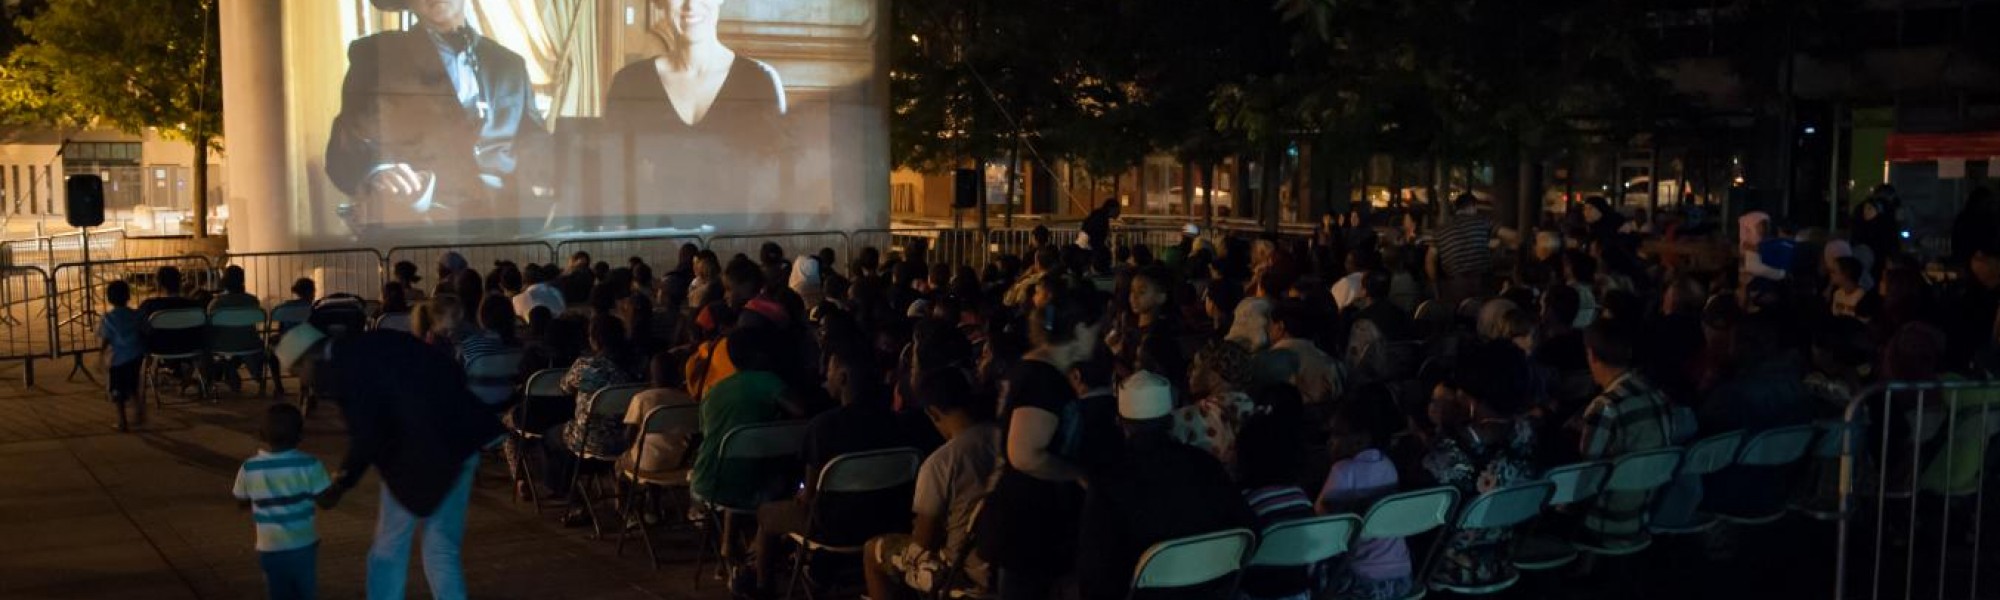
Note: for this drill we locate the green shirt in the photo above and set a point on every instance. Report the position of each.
(744, 398)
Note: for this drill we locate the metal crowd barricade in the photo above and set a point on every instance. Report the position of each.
(479, 256)
(660, 252)
(943, 245)
(1913, 490)
(25, 321)
(1155, 237)
(76, 294)
(794, 243)
(1017, 240)
(269, 275)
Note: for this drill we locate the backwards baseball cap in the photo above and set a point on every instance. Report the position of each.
(1145, 396)
(297, 341)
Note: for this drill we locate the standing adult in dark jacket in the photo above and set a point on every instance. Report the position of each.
(411, 416)
(1157, 490)
(436, 123)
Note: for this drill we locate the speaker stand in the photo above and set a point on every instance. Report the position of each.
(89, 313)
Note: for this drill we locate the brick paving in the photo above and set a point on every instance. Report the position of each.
(86, 512)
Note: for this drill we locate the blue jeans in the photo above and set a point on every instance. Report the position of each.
(444, 530)
(291, 574)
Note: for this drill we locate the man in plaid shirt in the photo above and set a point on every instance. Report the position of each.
(1630, 415)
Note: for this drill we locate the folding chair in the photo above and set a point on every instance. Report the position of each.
(233, 335)
(852, 473)
(1193, 560)
(395, 321)
(662, 420)
(1772, 449)
(1574, 484)
(1407, 514)
(611, 403)
(1705, 456)
(491, 377)
(1499, 508)
(541, 386)
(762, 441)
(1643, 472)
(1301, 543)
(176, 320)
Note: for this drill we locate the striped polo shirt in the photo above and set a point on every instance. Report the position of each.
(1462, 246)
(280, 487)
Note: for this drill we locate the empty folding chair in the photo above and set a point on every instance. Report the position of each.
(1574, 484)
(852, 473)
(1500, 508)
(1193, 560)
(1772, 449)
(492, 377)
(282, 319)
(1301, 543)
(1638, 474)
(1677, 513)
(1407, 514)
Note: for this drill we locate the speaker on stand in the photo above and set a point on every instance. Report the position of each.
(83, 208)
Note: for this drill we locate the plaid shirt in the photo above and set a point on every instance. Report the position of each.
(1629, 416)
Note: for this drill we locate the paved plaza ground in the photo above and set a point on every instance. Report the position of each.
(86, 512)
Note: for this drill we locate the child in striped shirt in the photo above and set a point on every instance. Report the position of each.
(280, 485)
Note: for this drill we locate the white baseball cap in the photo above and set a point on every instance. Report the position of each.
(1145, 396)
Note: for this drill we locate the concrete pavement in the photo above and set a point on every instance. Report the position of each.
(86, 512)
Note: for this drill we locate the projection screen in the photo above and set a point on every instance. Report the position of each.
(447, 121)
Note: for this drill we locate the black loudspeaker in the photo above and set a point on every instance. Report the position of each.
(83, 200)
(965, 188)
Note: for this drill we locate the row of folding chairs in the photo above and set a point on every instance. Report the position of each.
(1208, 558)
(248, 320)
(854, 473)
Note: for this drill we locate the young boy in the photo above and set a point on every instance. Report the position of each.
(123, 352)
(281, 483)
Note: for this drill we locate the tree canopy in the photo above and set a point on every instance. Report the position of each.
(123, 64)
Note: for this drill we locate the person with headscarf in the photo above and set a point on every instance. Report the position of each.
(807, 280)
(1251, 326)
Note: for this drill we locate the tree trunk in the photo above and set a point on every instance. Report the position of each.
(201, 186)
(1270, 206)
(1187, 190)
(1013, 180)
(1208, 192)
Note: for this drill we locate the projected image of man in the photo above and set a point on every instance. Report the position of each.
(437, 124)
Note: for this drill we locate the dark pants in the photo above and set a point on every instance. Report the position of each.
(125, 381)
(291, 574)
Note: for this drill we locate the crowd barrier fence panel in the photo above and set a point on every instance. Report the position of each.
(477, 256)
(1016, 241)
(269, 275)
(1154, 237)
(794, 243)
(52, 250)
(75, 297)
(660, 252)
(944, 245)
(26, 324)
(1913, 489)
(167, 245)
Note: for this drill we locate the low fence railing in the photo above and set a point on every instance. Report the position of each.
(657, 251)
(270, 275)
(478, 256)
(26, 323)
(793, 243)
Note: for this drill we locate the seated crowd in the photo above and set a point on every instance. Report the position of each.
(1076, 407)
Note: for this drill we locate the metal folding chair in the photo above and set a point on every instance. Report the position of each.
(853, 473)
(1193, 560)
(662, 420)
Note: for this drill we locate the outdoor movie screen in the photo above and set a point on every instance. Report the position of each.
(490, 120)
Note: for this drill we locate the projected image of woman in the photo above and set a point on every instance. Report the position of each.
(701, 124)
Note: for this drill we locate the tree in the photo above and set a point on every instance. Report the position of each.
(125, 64)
